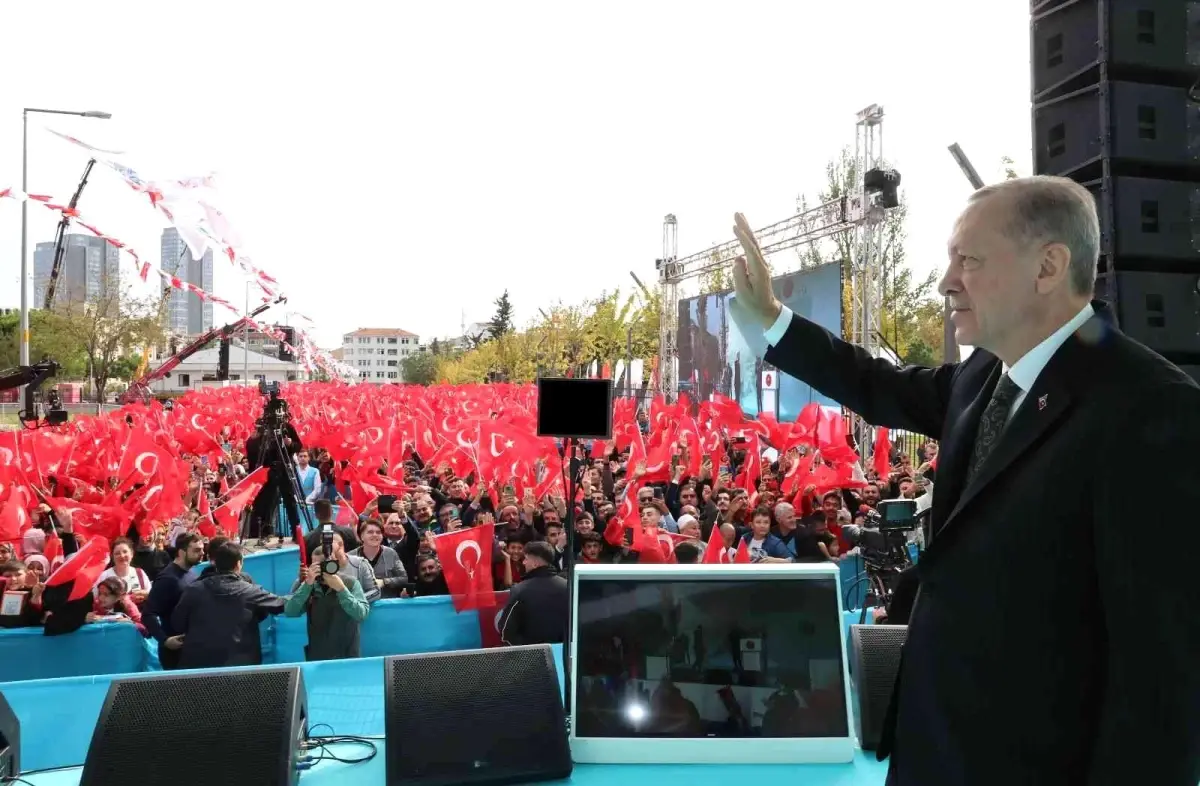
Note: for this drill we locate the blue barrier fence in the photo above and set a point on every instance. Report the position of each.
(394, 627)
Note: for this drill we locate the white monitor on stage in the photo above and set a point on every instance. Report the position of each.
(700, 664)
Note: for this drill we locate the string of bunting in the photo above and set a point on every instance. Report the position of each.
(307, 353)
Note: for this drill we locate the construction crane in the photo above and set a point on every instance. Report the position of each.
(861, 211)
(60, 238)
(139, 389)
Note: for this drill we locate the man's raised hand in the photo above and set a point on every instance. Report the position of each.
(752, 278)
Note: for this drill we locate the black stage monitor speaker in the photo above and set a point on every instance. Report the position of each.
(574, 408)
(874, 662)
(10, 742)
(490, 716)
(152, 728)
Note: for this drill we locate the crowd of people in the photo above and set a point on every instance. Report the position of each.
(677, 483)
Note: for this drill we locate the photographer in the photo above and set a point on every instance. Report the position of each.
(274, 429)
(329, 591)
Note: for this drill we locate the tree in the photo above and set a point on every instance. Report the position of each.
(435, 347)
(561, 339)
(420, 368)
(475, 340)
(502, 321)
(47, 341)
(904, 318)
(564, 340)
(124, 367)
(108, 327)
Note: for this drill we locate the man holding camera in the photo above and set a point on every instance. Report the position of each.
(330, 593)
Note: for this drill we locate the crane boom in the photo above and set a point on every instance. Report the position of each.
(60, 238)
(139, 389)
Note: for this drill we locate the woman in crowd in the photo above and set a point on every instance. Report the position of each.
(38, 565)
(136, 581)
(389, 570)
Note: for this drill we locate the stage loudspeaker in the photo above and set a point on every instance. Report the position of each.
(1116, 105)
(475, 717)
(874, 663)
(10, 742)
(248, 723)
(223, 359)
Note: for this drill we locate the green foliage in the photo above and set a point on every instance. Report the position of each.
(124, 367)
(502, 321)
(563, 339)
(420, 368)
(47, 340)
(436, 348)
(109, 328)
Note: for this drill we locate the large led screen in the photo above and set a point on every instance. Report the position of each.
(713, 358)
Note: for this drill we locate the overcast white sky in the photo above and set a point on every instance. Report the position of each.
(399, 164)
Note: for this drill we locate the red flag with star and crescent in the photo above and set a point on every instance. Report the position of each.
(466, 557)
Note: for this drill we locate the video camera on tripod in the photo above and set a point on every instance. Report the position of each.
(275, 411)
(883, 539)
(272, 445)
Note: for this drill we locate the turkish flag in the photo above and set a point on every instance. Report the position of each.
(715, 553)
(742, 555)
(466, 557)
(881, 455)
(489, 622)
(13, 518)
(83, 568)
(241, 495)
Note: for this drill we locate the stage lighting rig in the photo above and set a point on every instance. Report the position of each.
(886, 184)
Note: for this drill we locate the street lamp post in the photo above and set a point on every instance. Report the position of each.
(25, 113)
(246, 342)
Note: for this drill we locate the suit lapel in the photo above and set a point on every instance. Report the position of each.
(1044, 405)
(956, 449)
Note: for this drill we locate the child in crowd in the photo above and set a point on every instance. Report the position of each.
(20, 596)
(114, 604)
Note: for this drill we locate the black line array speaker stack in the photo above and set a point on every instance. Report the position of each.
(1116, 107)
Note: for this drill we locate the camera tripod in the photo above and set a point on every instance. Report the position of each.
(272, 454)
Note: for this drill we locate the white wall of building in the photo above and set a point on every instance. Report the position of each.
(191, 373)
(377, 355)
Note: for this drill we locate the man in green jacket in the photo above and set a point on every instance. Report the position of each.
(335, 603)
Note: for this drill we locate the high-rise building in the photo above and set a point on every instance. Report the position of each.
(90, 271)
(377, 353)
(186, 312)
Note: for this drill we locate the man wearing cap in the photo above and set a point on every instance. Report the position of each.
(536, 612)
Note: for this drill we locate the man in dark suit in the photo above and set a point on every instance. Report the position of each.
(1046, 644)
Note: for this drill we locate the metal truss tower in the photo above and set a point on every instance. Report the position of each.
(859, 211)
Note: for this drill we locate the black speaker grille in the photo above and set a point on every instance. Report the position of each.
(478, 716)
(875, 659)
(165, 731)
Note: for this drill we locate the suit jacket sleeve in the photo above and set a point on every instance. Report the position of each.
(914, 398)
(1150, 713)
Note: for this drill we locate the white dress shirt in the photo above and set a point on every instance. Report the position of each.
(1024, 372)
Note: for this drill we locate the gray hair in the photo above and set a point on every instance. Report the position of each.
(1054, 210)
(783, 507)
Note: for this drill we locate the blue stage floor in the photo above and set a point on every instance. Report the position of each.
(864, 772)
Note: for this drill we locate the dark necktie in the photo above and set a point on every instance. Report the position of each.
(991, 425)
